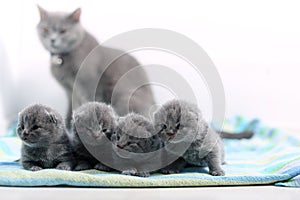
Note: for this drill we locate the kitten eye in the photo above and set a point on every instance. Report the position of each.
(62, 31)
(177, 125)
(164, 126)
(46, 30)
(21, 126)
(35, 127)
(104, 130)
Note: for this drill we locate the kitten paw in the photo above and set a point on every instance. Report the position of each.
(101, 167)
(134, 172)
(219, 172)
(169, 171)
(81, 167)
(143, 174)
(131, 172)
(64, 167)
(35, 168)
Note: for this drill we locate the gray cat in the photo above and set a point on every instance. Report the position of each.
(91, 123)
(69, 44)
(186, 134)
(45, 143)
(135, 134)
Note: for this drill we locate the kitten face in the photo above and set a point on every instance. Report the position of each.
(93, 121)
(39, 125)
(176, 120)
(60, 32)
(134, 134)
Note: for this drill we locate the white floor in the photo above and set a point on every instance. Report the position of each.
(206, 193)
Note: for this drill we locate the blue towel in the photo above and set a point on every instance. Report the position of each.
(270, 157)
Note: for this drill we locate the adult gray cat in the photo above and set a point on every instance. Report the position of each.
(69, 44)
(91, 123)
(45, 143)
(186, 134)
(135, 134)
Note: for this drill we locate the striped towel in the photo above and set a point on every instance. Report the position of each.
(270, 157)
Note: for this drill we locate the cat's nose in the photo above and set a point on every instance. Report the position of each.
(52, 41)
(25, 133)
(120, 146)
(170, 133)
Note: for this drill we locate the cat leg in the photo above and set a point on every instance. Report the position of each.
(31, 166)
(143, 174)
(82, 165)
(102, 167)
(214, 164)
(69, 114)
(175, 167)
(131, 172)
(65, 166)
(135, 172)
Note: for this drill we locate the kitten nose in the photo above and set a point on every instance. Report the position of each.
(171, 133)
(120, 146)
(52, 41)
(25, 133)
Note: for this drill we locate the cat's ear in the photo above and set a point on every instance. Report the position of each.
(52, 117)
(194, 115)
(75, 16)
(43, 12)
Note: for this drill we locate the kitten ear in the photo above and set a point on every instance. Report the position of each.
(194, 115)
(43, 12)
(75, 16)
(52, 117)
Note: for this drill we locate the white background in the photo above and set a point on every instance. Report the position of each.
(255, 46)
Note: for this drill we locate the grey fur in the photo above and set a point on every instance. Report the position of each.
(135, 134)
(91, 122)
(72, 44)
(45, 143)
(180, 122)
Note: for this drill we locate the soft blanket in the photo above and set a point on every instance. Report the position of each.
(270, 157)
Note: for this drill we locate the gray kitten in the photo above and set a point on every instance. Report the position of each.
(134, 134)
(45, 143)
(91, 123)
(186, 134)
(69, 45)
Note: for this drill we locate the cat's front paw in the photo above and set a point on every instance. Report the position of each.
(143, 174)
(170, 171)
(63, 166)
(101, 167)
(82, 166)
(35, 168)
(218, 172)
(131, 172)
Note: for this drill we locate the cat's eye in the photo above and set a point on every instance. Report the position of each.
(35, 127)
(104, 130)
(164, 126)
(22, 127)
(46, 30)
(177, 125)
(62, 31)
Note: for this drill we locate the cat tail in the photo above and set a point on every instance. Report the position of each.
(236, 136)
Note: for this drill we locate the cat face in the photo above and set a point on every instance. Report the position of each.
(38, 125)
(60, 32)
(134, 134)
(176, 120)
(93, 121)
